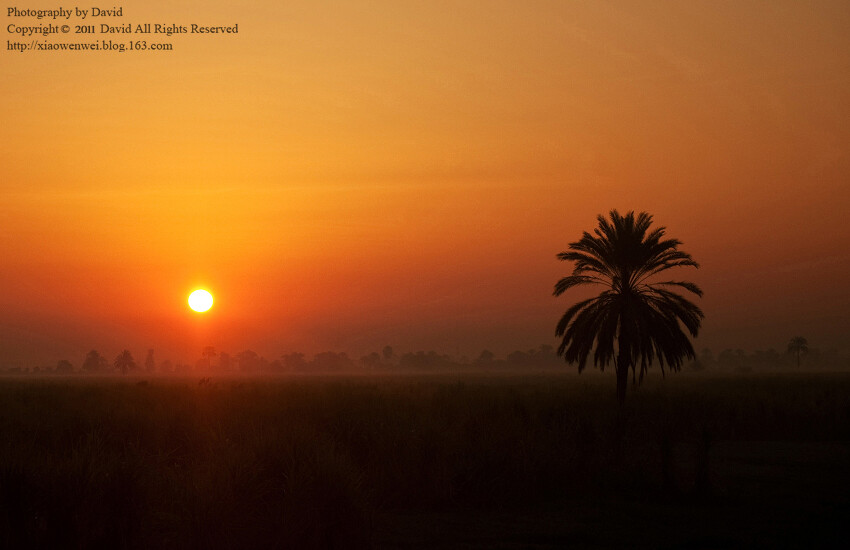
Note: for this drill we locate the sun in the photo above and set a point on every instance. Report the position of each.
(200, 300)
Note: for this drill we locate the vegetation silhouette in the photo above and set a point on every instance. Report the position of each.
(94, 362)
(64, 367)
(294, 361)
(542, 358)
(769, 360)
(248, 360)
(797, 346)
(207, 354)
(150, 362)
(125, 362)
(641, 316)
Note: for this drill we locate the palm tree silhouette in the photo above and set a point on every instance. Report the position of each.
(125, 361)
(798, 345)
(642, 316)
(208, 353)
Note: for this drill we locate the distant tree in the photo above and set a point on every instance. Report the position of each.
(371, 361)
(124, 362)
(331, 361)
(275, 366)
(248, 361)
(294, 361)
(638, 319)
(545, 350)
(207, 354)
(388, 354)
(64, 367)
(485, 358)
(224, 361)
(263, 364)
(166, 366)
(424, 360)
(732, 359)
(520, 357)
(150, 363)
(798, 346)
(703, 361)
(94, 362)
(696, 364)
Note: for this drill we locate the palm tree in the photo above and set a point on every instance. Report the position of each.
(124, 361)
(208, 353)
(642, 316)
(798, 345)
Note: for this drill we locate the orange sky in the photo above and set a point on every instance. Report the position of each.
(345, 175)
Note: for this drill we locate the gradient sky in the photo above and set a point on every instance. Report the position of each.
(345, 175)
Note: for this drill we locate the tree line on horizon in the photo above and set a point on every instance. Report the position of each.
(798, 353)
(212, 361)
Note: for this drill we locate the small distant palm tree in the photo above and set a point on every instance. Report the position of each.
(798, 346)
(633, 317)
(124, 362)
(208, 353)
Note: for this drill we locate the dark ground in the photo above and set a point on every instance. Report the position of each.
(436, 461)
(781, 495)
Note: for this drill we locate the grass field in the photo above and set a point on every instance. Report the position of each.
(507, 461)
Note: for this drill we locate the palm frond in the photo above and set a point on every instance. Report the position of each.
(574, 280)
(691, 287)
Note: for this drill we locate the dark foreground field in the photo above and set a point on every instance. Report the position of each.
(425, 462)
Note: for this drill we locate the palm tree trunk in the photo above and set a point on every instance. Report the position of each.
(622, 377)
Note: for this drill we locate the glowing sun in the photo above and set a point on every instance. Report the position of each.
(200, 300)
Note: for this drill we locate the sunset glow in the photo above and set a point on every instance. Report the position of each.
(404, 173)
